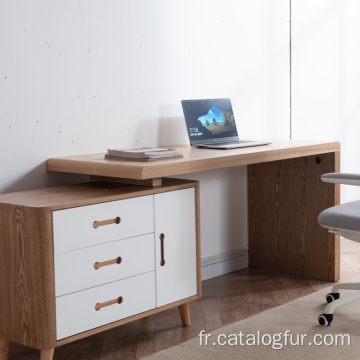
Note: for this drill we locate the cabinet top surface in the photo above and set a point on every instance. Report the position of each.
(193, 160)
(67, 196)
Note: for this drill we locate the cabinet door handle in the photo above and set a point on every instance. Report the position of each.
(162, 261)
(96, 224)
(99, 306)
(98, 265)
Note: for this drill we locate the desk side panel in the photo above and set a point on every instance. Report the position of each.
(284, 199)
(27, 296)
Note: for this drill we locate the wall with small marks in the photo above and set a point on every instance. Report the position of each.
(326, 78)
(78, 77)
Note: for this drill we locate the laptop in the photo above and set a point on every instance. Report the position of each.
(211, 124)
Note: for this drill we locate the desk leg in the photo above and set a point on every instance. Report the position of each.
(284, 200)
(4, 349)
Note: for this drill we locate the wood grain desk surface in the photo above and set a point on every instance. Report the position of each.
(194, 160)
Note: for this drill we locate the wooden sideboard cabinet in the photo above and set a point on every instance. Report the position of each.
(80, 259)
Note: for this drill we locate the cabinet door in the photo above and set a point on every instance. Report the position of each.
(175, 245)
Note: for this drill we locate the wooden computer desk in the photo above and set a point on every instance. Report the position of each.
(285, 196)
(55, 240)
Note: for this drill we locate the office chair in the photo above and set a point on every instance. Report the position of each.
(343, 220)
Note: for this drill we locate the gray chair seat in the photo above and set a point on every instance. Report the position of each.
(345, 216)
(343, 220)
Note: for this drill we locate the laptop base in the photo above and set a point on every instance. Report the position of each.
(232, 146)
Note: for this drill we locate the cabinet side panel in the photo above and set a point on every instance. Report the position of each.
(198, 239)
(27, 299)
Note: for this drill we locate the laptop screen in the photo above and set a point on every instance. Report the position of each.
(209, 119)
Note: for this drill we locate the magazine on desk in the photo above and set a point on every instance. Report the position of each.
(142, 154)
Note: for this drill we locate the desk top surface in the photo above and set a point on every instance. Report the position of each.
(193, 160)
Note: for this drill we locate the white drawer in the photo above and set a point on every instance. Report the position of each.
(74, 228)
(76, 313)
(75, 270)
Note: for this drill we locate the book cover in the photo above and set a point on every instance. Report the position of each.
(138, 152)
(144, 159)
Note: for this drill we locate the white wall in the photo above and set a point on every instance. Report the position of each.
(80, 76)
(326, 77)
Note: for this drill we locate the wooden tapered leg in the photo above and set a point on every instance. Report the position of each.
(47, 354)
(4, 349)
(185, 314)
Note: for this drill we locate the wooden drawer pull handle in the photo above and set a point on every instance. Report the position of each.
(99, 306)
(162, 261)
(96, 224)
(98, 265)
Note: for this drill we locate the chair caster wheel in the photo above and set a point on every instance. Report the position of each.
(325, 319)
(330, 297)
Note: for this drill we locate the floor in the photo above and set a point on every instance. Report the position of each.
(226, 299)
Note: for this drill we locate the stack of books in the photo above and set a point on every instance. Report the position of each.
(142, 154)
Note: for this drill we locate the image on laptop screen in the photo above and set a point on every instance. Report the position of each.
(209, 119)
